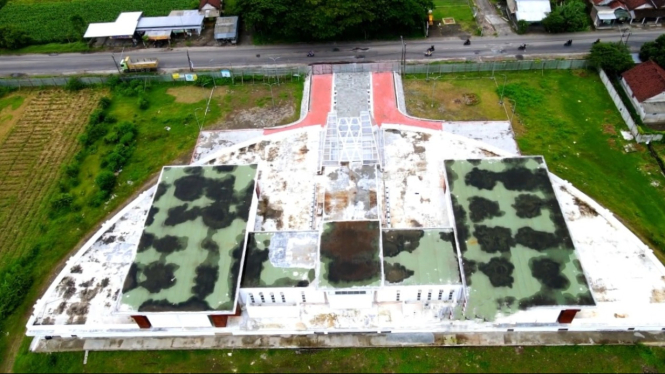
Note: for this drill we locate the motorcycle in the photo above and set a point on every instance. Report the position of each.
(428, 53)
(597, 41)
(310, 54)
(568, 43)
(522, 47)
(467, 42)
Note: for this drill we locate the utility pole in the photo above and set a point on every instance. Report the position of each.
(628, 36)
(116, 64)
(191, 67)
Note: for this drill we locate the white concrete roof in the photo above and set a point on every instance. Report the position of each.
(627, 280)
(124, 25)
(532, 10)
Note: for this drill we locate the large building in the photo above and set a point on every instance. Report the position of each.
(356, 227)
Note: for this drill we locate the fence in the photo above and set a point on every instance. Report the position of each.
(249, 75)
(625, 114)
(461, 67)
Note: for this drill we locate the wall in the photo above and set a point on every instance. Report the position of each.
(178, 320)
(292, 295)
(625, 114)
(410, 293)
(338, 300)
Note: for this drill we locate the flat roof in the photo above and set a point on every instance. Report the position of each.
(226, 27)
(516, 249)
(350, 192)
(193, 240)
(280, 259)
(420, 257)
(124, 25)
(188, 20)
(349, 254)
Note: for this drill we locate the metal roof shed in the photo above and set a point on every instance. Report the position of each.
(226, 28)
(189, 20)
(123, 27)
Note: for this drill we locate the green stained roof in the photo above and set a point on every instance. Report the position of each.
(350, 254)
(280, 259)
(516, 249)
(420, 257)
(189, 254)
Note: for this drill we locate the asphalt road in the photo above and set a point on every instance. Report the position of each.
(206, 58)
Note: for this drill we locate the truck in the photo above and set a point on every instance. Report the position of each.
(127, 65)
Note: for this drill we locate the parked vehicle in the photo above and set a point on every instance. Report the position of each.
(127, 65)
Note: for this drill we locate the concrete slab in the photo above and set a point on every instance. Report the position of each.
(350, 340)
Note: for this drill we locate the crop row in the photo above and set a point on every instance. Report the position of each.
(48, 22)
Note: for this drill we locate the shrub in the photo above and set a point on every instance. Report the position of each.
(62, 201)
(72, 169)
(113, 81)
(97, 116)
(15, 281)
(143, 103)
(74, 84)
(522, 27)
(99, 198)
(104, 103)
(105, 180)
(204, 81)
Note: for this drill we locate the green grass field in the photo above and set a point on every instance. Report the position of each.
(155, 146)
(572, 359)
(458, 9)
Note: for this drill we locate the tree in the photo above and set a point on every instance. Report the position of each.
(333, 19)
(569, 17)
(654, 51)
(522, 26)
(76, 27)
(11, 38)
(614, 58)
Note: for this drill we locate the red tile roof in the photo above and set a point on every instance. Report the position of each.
(646, 80)
(616, 4)
(632, 4)
(216, 3)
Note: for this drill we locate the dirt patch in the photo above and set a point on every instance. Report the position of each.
(658, 296)
(581, 73)
(256, 118)
(585, 209)
(470, 99)
(191, 94)
(609, 129)
(265, 210)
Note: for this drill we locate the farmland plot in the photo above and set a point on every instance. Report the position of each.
(41, 140)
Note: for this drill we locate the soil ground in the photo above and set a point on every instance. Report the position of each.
(453, 100)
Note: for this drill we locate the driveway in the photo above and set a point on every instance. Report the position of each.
(490, 20)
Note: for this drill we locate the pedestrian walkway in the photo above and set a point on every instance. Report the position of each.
(352, 94)
(385, 104)
(319, 105)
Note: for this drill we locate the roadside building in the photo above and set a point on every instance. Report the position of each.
(645, 86)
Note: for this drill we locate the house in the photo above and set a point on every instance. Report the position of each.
(609, 13)
(645, 86)
(529, 10)
(210, 8)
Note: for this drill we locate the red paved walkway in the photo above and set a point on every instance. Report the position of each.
(319, 102)
(385, 104)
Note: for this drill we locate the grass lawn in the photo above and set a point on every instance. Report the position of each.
(458, 9)
(50, 48)
(155, 146)
(453, 99)
(572, 359)
(568, 117)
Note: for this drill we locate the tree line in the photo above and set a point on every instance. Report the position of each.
(321, 20)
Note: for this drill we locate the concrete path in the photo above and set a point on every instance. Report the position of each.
(357, 340)
(319, 105)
